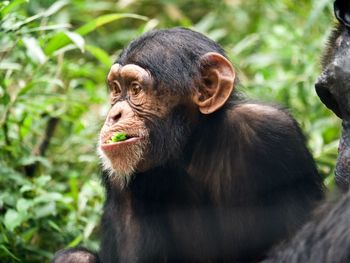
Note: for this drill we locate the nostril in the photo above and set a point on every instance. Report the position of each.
(115, 117)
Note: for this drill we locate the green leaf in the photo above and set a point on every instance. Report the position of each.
(54, 226)
(10, 66)
(45, 28)
(34, 50)
(26, 188)
(318, 6)
(50, 11)
(151, 24)
(28, 160)
(77, 39)
(28, 235)
(61, 39)
(8, 252)
(12, 219)
(45, 210)
(23, 205)
(12, 4)
(120, 136)
(100, 54)
(48, 197)
(55, 7)
(105, 19)
(76, 241)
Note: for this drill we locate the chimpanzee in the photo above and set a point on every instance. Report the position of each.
(327, 237)
(194, 172)
(333, 86)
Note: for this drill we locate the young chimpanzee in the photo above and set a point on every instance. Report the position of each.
(333, 86)
(195, 173)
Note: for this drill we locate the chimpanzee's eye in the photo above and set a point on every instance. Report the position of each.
(115, 92)
(135, 89)
(116, 88)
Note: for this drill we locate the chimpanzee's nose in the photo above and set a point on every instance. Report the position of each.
(115, 114)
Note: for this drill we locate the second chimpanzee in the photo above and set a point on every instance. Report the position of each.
(333, 86)
(327, 237)
(195, 173)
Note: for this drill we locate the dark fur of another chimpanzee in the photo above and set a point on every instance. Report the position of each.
(333, 86)
(243, 180)
(327, 237)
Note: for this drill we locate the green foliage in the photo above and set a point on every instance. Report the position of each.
(54, 58)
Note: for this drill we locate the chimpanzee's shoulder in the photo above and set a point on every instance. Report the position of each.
(258, 112)
(267, 122)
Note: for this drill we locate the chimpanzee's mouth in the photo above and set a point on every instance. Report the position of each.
(120, 140)
(118, 137)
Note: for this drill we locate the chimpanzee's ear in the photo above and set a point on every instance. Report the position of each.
(216, 84)
(342, 11)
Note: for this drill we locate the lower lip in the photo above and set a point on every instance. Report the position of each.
(112, 146)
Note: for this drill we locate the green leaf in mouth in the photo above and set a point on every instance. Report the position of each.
(118, 137)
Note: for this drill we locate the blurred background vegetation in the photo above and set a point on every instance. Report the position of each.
(54, 57)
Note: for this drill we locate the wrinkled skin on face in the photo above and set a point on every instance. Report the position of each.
(333, 86)
(144, 113)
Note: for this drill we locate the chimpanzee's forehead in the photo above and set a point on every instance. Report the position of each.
(128, 71)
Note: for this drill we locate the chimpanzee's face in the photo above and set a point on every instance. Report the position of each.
(146, 125)
(333, 85)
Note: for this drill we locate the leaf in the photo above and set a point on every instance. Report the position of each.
(76, 241)
(43, 180)
(45, 28)
(55, 7)
(45, 210)
(60, 39)
(10, 66)
(13, 4)
(151, 24)
(77, 39)
(318, 6)
(54, 226)
(12, 219)
(100, 54)
(205, 23)
(23, 205)
(8, 252)
(105, 19)
(246, 43)
(117, 137)
(34, 50)
(28, 160)
(64, 49)
(48, 197)
(50, 11)
(26, 188)
(28, 235)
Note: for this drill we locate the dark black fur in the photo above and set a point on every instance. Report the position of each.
(327, 238)
(239, 181)
(333, 86)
